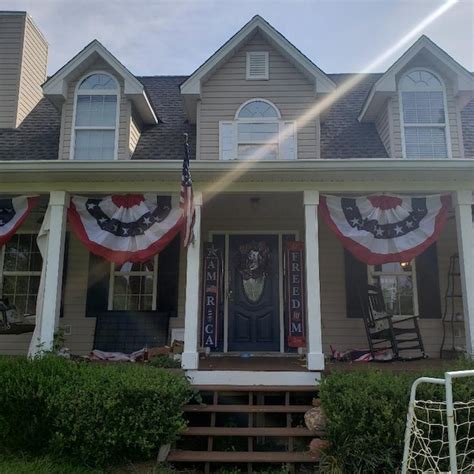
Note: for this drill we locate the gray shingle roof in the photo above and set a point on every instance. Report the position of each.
(37, 138)
(342, 135)
(165, 140)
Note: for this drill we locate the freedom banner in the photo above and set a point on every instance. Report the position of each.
(126, 228)
(212, 275)
(13, 212)
(295, 297)
(385, 228)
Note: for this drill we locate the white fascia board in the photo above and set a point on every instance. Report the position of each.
(193, 84)
(387, 84)
(214, 166)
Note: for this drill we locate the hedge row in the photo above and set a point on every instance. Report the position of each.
(90, 413)
(366, 415)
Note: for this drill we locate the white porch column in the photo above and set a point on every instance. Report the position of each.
(190, 357)
(465, 234)
(315, 357)
(53, 270)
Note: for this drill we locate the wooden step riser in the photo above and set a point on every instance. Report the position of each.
(241, 457)
(247, 408)
(256, 388)
(251, 432)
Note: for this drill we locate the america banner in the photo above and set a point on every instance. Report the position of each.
(126, 228)
(295, 297)
(211, 294)
(13, 212)
(386, 228)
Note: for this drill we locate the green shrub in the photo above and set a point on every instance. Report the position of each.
(91, 413)
(366, 412)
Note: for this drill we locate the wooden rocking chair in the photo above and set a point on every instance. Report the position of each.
(386, 332)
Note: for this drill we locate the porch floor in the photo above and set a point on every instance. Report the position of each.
(298, 364)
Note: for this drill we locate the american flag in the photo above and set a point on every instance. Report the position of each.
(186, 200)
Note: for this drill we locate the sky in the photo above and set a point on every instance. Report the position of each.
(174, 37)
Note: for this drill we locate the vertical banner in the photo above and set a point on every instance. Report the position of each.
(211, 288)
(295, 297)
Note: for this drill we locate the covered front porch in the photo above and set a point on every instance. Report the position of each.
(268, 202)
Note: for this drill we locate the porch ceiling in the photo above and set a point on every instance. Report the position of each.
(239, 176)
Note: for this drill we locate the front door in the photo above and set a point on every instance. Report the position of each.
(254, 307)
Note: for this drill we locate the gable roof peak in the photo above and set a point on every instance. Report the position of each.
(55, 86)
(191, 88)
(386, 85)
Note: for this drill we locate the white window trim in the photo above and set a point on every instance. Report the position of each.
(259, 120)
(114, 272)
(371, 273)
(117, 93)
(4, 273)
(447, 131)
(257, 99)
(266, 77)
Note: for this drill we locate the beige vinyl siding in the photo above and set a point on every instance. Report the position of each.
(454, 137)
(382, 123)
(135, 131)
(11, 45)
(227, 89)
(33, 70)
(75, 295)
(68, 112)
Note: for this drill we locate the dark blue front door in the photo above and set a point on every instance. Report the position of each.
(254, 310)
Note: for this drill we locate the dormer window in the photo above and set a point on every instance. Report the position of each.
(96, 118)
(258, 133)
(423, 115)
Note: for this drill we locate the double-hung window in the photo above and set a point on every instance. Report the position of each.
(20, 272)
(258, 133)
(133, 286)
(96, 117)
(423, 115)
(398, 284)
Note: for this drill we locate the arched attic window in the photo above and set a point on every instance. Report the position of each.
(423, 115)
(258, 133)
(96, 118)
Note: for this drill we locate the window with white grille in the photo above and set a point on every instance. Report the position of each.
(96, 118)
(257, 65)
(257, 133)
(423, 115)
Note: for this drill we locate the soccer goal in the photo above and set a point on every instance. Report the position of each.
(439, 436)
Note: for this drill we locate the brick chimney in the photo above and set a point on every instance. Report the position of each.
(23, 61)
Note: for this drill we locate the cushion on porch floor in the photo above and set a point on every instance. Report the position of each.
(124, 331)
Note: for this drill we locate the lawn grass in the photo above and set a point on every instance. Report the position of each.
(45, 465)
(40, 466)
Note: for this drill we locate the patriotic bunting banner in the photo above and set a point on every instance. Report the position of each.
(385, 228)
(13, 211)
(126, 228)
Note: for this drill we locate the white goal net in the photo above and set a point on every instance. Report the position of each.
(439, 436)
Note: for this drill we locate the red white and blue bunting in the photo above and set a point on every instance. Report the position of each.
(13, 212)
(384, 228)
(126, 228)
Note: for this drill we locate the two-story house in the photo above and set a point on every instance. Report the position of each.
(277, 145)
